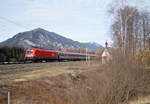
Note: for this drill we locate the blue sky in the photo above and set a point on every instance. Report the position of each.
(80, 20)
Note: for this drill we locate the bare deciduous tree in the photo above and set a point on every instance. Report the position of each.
(131, 29)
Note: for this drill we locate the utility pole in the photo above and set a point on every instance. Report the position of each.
(8, 98)
(88, 59)
(86, 55)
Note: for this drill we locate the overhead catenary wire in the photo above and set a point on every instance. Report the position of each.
(13, 22)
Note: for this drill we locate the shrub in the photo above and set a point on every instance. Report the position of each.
(121, 80)
(143, 57)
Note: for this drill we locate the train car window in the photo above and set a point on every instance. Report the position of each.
(61, 54)
(29, 51)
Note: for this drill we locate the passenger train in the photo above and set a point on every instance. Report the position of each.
(36, 54)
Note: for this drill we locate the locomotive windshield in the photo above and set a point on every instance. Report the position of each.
(29, 51)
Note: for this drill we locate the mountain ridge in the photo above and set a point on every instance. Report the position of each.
(42, 38)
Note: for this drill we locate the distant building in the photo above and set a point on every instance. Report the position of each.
(106, 55)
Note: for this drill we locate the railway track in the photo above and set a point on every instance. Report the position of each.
(5, 63)
(29, 65)
(28, 62)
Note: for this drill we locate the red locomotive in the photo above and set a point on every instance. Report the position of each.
(36, 54)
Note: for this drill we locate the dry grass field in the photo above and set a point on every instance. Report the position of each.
(75, 83)
(141, 100)
(25, 72)
(39, 83)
